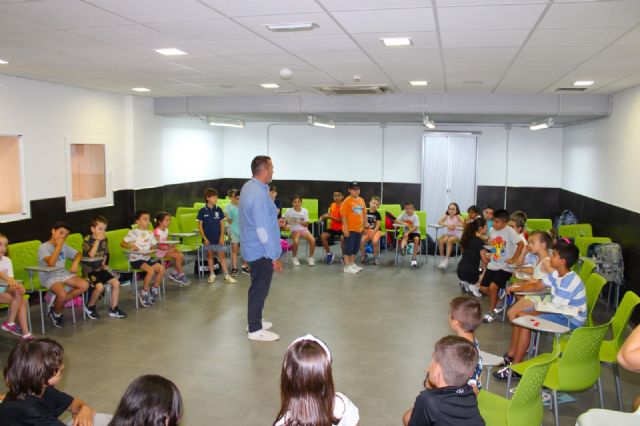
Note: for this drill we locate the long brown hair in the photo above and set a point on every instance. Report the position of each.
(306, 386)
(470, 230)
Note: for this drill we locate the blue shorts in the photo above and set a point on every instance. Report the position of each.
(565, 320)
(213, 247)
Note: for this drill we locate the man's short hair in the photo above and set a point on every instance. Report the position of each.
(258, 163)
(501, 214)
(457, 357)
(567, 251)
(467, 311)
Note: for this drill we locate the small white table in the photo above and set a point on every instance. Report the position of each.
(39, 268)
(540, 325)
(489, 361)
(437, 227)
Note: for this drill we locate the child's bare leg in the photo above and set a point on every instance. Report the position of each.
(524, 337)
(441, 242)
(312, 243)
(97, 291)
(58, 290)
(363, 243)
(493, 296)
(159, 270)
(375, 241)
(148, 274)
(234, 255)
(450, 242)
(324, 237)
(179, 257)
(115, 291)
(416, 246)
(296, 241)
(78, 287)
(22, 316)
(210, 260)
(407, 416)
(519, 306)
(15, 303)
(223, 262)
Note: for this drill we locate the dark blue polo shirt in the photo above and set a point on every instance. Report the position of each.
(211, 218)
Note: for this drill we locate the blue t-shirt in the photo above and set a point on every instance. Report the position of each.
(211, 218)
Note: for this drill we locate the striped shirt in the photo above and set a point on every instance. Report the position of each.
(475, 378)
(568, 291)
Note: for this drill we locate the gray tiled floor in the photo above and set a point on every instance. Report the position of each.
(380, 325)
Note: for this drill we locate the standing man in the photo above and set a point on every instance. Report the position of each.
(260, 243)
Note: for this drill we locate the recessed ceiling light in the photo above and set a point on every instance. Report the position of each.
(2, 62)
(270, 85)
(140, 89)
(583, 83)
(171, 51)
(418, 83)
(298, 26)
(396, 41)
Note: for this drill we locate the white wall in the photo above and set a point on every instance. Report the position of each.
(600, 158)
(304, 152)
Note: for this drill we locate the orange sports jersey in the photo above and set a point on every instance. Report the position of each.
(334, 211)
(352, 209)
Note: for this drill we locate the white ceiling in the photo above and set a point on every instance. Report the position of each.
(510, 46)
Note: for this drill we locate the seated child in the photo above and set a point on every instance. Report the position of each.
(149, 400)
(473, 255)
(298, 220)
(54, 253)
(452, 222)
(335, 225)
(448, 399)
(98, 275)
(465, 316)
(161, 234)
(411, 223)
(472, 213)
(141, 242)
(211, 226)
(372, 230)
(273, 193)
(32, 371)
(506, 248)
(487, 213)
(566, 290)
(233, 219)
(306, 388)
(12, 294)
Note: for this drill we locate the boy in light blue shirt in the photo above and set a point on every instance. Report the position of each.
(233, 219)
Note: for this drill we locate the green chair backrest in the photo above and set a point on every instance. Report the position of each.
(185, 210)
(383, 215)
(587, 267)
(198, 205)
(311, 204)
(117, 259)
(22, 255)
(583, 243)
(575, 231)
(579, 367)
(174, 225)
(525, 407)
(422, 216)
(594, 285)
(188, 223)
(394, 209)
(622, 316)
(538, 225)
(223, 202)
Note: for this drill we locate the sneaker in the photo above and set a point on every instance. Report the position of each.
(329, 258)
(363, 259)
(475, 290)
(488, 318)
(311, 261)
(443, 264)
(375, 261)
(464, 286)
(263, 336)
(506, 360)
(143, 298)
(184, 280)
(12, 328)
(295, 261)
(116, 313)
(246, 270)
(498, 310)
(56, 320)
(234, 273)
(342, 259)
(91, 312)
(212, 278)
(27, 337)
(175, 277)
(347, 269)
(266, 325)
(155, 295)
(354, 269)
(229, 279)
(414, 263)
(502, 373)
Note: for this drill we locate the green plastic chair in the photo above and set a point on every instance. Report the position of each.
(525, 407)
(586, 269)
(538, 225)
(583, 243)
(394, 209)
(118, 260)
(577, 370)
(311, 204)
(610, 347)
(575, 231)
(185, 210)
(25, 254)
(188, 223)
(199, 205)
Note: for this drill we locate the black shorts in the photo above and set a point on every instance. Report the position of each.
(136, 264)
(334, 232)
(468, 275)
(352, 243)
(97, 277)
(413, 235)
(499, 278)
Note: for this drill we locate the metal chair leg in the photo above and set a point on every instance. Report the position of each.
(555, 407)
(616, 376)
(42, 311)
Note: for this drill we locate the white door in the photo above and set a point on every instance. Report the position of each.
(448, 173)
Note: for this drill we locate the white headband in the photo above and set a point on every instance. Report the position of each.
(313, 339)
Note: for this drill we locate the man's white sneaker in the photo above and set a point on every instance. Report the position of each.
(266, 325)
(212, 278)
(295, 261)
(311, 261)
(229, 279)
(474, 289)
(263, 336)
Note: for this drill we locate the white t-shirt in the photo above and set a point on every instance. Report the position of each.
(503, 246)
(294, 219)
(343, 409)
(6, 266)
(144, 240)
(409, 220)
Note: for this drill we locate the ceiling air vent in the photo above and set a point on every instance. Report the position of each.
(356, 89)
(571, 89)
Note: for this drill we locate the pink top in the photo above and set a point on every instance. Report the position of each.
(448, 221)
(161, 235)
